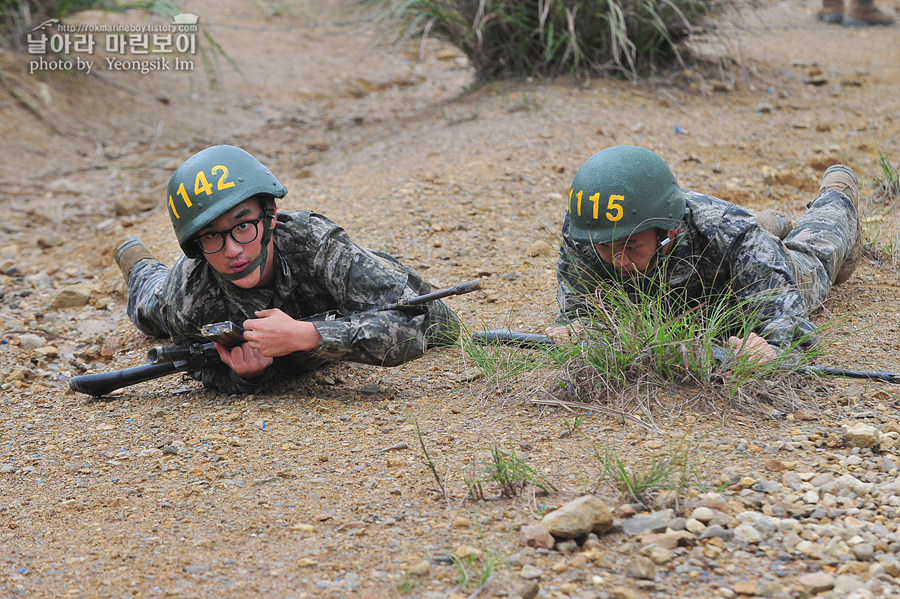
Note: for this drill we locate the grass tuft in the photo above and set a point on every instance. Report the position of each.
(508, 472)
(515, 38)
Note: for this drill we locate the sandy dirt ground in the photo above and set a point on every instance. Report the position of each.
(321, 487)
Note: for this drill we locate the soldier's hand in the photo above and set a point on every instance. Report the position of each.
(244, 360)
(273, 333)
(754, 347)
(563, 333)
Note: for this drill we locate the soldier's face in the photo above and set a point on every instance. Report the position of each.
(234, 256)
(635, 254)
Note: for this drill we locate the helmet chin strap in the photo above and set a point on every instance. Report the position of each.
(259, 261)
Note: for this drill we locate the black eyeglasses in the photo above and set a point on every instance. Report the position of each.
(243, 233)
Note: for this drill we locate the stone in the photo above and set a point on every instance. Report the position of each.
(536, 535)
(529, 590)
(703, 514)
(641, 568)
(746, 587)
(747, 534)
(30, 341)
(862, 435)
(817, 582)
(540, 248)
(74, 296)
(578, 518)
(420, 569)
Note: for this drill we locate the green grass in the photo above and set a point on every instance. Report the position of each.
(508, 472)
(471, 575)
(644, 345)
(645, 335)
(673, 471)
(881, 234)
(515, 38)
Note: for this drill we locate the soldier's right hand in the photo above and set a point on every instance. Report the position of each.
(563, 333)
(244, 360)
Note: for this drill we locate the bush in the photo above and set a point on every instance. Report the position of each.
(508, 38)
(17, 17)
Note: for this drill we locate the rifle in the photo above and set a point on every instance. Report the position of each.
(536, 340)
(163, 360)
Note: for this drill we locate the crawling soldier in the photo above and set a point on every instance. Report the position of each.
(268, 270)
(628, 218)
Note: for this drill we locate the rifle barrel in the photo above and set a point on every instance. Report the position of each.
(460, 289)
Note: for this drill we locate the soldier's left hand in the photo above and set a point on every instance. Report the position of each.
(273, 333)
(754, 347)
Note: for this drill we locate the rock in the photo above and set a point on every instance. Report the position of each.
(643, 523)
(747, 534)
(467, 552)
(746, 587)
(536, 535)
(74, 296)
(716, 531)
(623, 593)
(658, 555)
(702, 514)
(817, 582)
(529, 590)
(862, 435)
(670, 540)
(422, 568)
(863, 551)
(847, 482)
(30, 341)
(641, 568)
(579, 517)
(540, 248)
(529, 572)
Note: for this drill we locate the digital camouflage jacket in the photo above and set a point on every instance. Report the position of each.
(720, 248)
(318, 270)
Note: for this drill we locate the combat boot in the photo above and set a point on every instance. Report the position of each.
(129, 252)
(862, 13)
(775, 223)
(832, 12)
(841, 178)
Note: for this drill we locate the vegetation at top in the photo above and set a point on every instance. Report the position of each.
(517, 38)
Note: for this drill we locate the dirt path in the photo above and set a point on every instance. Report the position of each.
(321, 488)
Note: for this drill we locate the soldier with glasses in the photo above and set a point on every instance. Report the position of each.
(269, 270)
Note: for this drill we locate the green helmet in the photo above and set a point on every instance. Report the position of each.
(623, 190)
(209, 184)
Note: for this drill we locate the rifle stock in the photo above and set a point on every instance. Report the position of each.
(102, 383)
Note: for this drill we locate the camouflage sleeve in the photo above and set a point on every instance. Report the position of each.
(359, 280)
(576, 278)
(762, 275)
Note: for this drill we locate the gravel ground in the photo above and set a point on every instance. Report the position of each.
(321, 487)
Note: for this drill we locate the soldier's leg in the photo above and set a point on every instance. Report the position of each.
(825, 245)
(145, 276)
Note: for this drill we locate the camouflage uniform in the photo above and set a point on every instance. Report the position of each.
(318, 269)
(720, 247)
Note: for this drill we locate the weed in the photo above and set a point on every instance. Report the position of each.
(429, 461)
(881, 239)
(509, 472)
(887, 186)
(504, 38)
(671, 471)
(477, 577)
